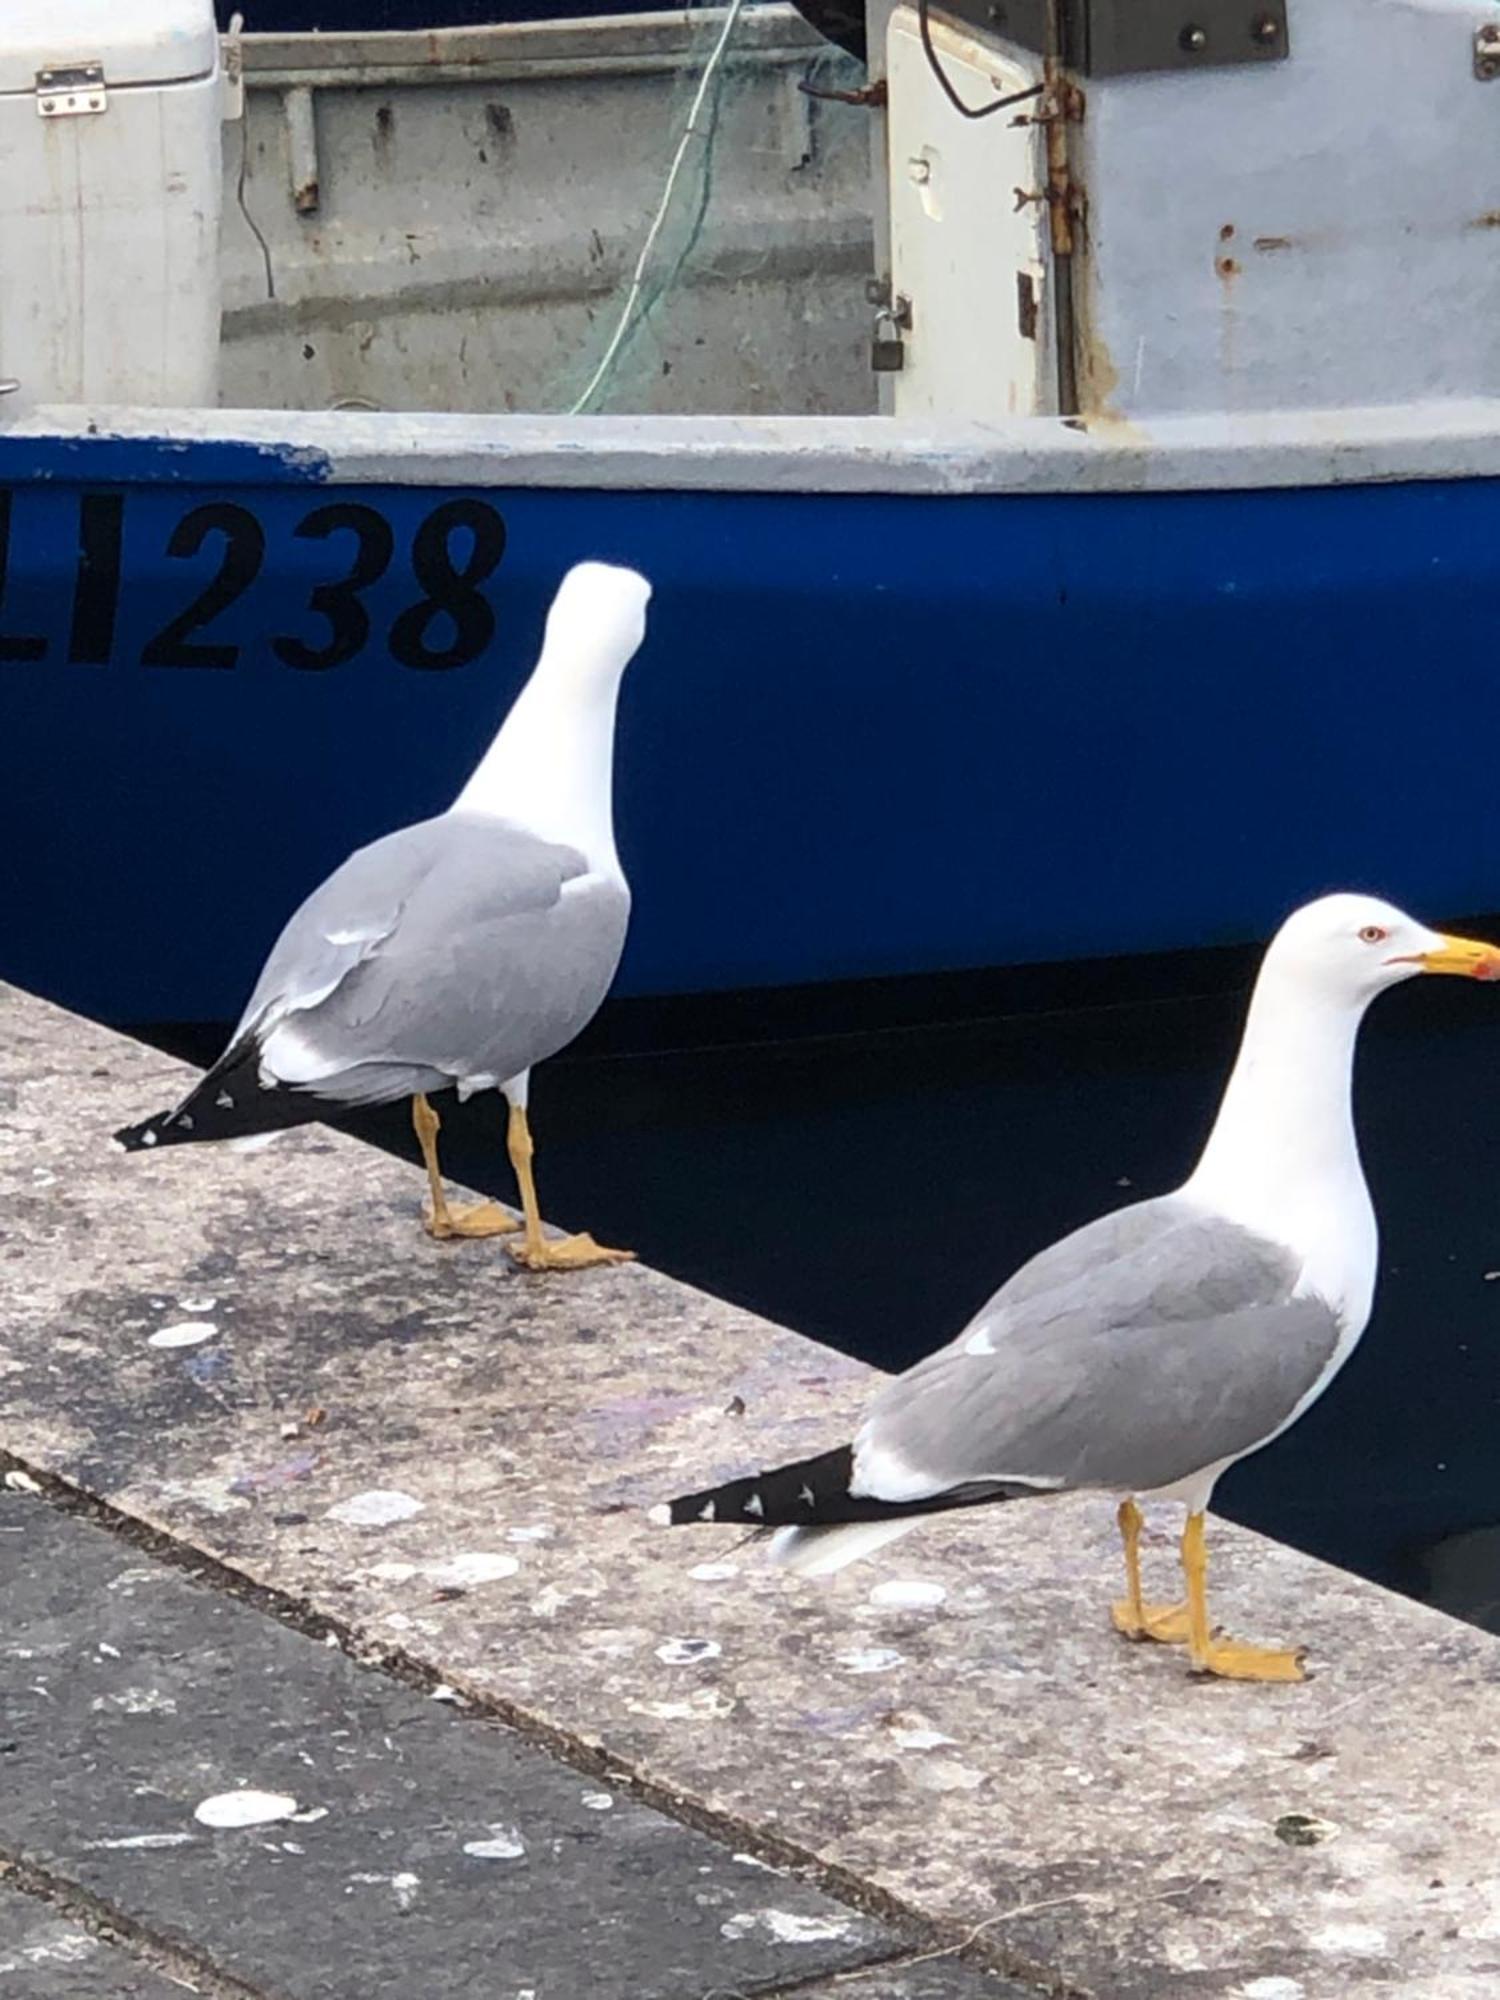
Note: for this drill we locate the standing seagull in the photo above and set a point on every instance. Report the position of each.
(462, 950)
(1154, 1347)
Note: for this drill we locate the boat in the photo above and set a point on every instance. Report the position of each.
(1073, 529)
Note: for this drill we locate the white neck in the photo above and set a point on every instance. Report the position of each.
(551, 768)
(1282, 1158)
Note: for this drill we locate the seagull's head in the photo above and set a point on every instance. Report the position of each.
(595, 626)
(1349, 948)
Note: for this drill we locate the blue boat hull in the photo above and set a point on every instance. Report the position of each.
(868, 734)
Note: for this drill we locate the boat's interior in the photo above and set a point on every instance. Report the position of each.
(1285, 207)
(452, 221)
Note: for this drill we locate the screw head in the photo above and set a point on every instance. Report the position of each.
(1265, 29)
(1193, 40)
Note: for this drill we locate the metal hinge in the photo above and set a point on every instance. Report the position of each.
(1487, 52)
(71, 90)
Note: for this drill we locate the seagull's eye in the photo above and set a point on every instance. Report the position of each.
(1373, 934)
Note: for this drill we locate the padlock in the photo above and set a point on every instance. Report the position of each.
(887, 349)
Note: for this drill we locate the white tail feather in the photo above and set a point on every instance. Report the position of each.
(821, 1551)
(255, 1142)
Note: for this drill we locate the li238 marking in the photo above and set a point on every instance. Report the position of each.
(443, 618)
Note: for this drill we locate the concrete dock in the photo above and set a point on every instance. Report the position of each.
(300, 1503)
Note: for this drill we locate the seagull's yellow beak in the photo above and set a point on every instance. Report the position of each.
(1469, 958)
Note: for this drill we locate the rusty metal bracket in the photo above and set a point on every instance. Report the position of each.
(873, 94)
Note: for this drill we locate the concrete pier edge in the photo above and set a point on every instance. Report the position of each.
(995, 1774)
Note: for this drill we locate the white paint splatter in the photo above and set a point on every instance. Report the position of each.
(245, 1808)
(22, 1482)
(946, 1774)
(1274, 1988)
(504, 1844)
(403, 1886)
(539, 1532)
(41, 1177)
(197, 1305)
(463, 1572)
(702, 1705)
(145, 1840)
(136, 1701)
(907, 1594)
(713, 1572)
(870, 1659)
(917, 1738)
(391, 1572)
(1359, 1940)
(754, 1861)
(312, 1813)
(598, 1801)
(379, 1508)
(184, 1333)
(785, 1927)
(67, 1948)
(687, 1652)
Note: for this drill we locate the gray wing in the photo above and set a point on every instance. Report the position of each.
(1141, 1349)
(458, 947)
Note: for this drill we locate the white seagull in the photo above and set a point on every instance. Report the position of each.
(1151, 1349)
(460, 951)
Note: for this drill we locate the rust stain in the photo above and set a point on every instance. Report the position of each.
(1226, 234)
(1098, 377)
(1489, 220)
(1228, 268)
(1268, 243)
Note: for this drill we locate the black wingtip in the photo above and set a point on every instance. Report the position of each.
(802, 1494)
(140, 1138)
(231, 1102)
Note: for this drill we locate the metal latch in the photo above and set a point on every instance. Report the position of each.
(892, 319)
(71, 90)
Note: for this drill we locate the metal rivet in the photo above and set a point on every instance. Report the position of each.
(1266, 29)
(1193, 40)
(920, 171)
(49, 104)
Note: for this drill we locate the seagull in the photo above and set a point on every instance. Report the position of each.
(462, 950)
(1150, 1350)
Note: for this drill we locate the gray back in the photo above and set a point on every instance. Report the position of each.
(1142, 1348)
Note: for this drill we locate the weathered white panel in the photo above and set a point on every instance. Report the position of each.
(109, 206)
(966, 255)
(1319, 231)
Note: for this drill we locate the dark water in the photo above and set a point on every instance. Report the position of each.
(871, 1188)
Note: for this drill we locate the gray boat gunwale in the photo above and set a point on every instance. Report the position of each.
(1433, 440)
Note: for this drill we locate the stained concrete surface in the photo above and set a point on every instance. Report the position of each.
(997, 1761)
(397, 1841)
(46, 1956)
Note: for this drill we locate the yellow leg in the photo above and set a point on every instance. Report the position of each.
(535, 1251)
(487, 1219)
(1166, 1623)
(1210, 1651)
